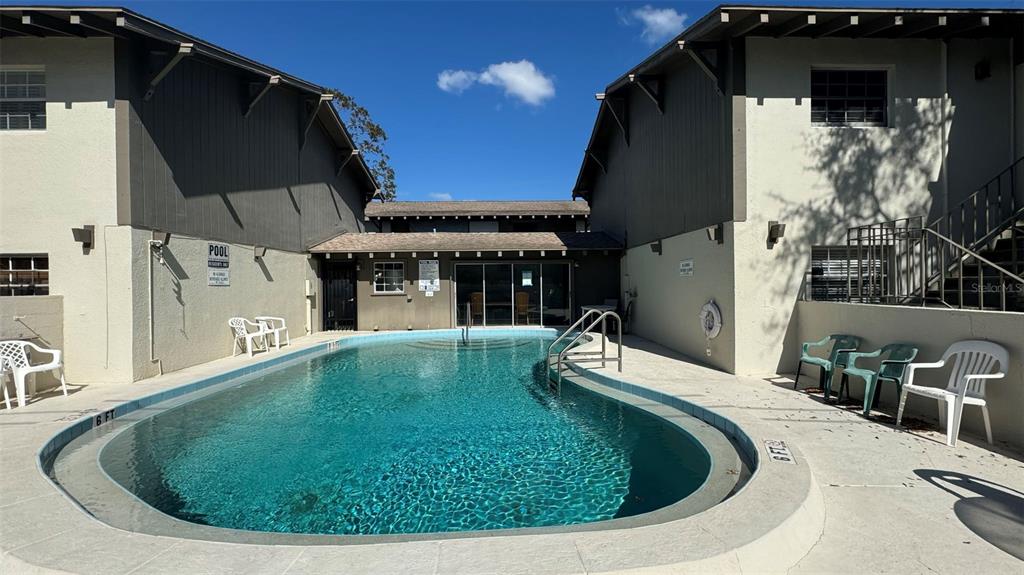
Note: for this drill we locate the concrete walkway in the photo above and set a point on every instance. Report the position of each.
(895, 501)
(892, 501)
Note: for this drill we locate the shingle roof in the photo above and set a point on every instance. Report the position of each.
(466, 242)
(477, 208)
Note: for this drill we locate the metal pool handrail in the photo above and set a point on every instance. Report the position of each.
(604, 357)
(568, 331)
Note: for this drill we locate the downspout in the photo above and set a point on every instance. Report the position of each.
(944, 166)
(156, 250)
(1013, 106)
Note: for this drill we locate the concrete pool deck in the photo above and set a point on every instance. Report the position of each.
(863, 497)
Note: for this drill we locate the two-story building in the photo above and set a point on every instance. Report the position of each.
(155, 185)
(818, 119)
(771, 155)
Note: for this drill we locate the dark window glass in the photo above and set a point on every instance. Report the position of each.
(469, 293)
(24, 275)
(557, 304)
(848, 97)
(22, 100)
(498, 294)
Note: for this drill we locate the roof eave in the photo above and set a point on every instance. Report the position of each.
(139, 24)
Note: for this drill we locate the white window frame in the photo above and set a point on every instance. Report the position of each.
(40, 97)
(384, 265)
(5, 289)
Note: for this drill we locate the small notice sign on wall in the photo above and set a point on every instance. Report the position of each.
(686, 268)
(430, 276)
(777, 451)
(218, 272)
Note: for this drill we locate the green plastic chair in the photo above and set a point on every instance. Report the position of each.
(892, 368)
(842, 345)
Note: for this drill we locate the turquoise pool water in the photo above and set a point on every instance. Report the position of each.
(406, 437)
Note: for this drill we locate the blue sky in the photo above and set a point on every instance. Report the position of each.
(517, 103)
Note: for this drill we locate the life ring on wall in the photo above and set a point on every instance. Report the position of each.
(711, 319)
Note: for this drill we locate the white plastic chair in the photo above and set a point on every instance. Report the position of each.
(14, 354)
(976, 362)
(276, 326)
(245, 340)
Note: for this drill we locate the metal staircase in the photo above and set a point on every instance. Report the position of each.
(557, 356)
(973, 257)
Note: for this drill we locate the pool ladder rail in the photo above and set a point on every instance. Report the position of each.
(578, 356)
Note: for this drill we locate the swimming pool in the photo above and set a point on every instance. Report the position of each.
(406, 437)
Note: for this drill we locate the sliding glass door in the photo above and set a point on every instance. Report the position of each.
(557, 303)
(496, 294)
(469, 297)
(526, 280)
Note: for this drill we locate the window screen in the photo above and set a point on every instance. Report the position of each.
(848, 97)
(388, 277)
(835, 271)
(22, 100)
(24, 275)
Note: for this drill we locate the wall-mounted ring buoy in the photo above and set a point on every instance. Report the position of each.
(711, 319)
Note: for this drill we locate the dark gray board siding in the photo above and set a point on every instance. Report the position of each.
(198, 168)
(672, 178)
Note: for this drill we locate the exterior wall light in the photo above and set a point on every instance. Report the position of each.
(85, 236)
(656, 247)
(161, 238)
(775, 233)
(258, 252)
(716, 233)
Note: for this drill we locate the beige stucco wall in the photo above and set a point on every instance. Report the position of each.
(819, 181)
(933, 330)
(64, 177)
(411, 310)
(190, 317)
(667, 305)
(39, 319)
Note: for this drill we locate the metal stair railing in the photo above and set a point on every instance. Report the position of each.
(988, 211)
(603, 355)
(904, 262)
(891, 262)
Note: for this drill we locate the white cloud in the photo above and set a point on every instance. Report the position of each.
(521, 80)
(440, 196)
(456, 81)
(659, 24)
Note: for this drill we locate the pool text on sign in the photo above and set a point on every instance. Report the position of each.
(777, 451)
(217, 261)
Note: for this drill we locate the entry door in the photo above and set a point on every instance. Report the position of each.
(339, 296)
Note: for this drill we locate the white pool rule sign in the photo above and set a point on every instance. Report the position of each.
(430, 276)
(777, 451)
(217, 271)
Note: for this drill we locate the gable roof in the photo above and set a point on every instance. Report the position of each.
(477, 208)
(118, 22)
(729, 21)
